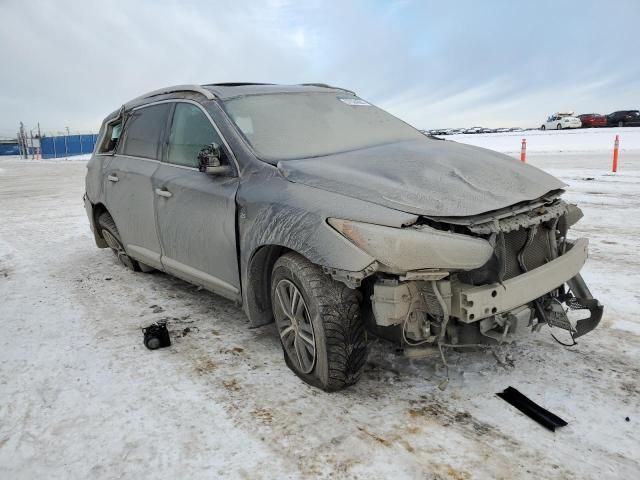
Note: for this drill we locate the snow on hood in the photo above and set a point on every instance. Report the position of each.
(425, 177)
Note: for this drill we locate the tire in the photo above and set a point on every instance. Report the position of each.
(621, 123)
(559, 127)
(329, 316)
(543, 127)
(109, 232)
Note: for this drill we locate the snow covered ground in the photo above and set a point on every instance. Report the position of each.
(80, 396)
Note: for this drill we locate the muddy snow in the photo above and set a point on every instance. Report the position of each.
(80, 396)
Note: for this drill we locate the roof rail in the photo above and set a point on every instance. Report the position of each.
(324, 85)
(235, 84)
(177, 88)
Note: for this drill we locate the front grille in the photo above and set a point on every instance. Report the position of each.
(504, 264)
(537, 253)
(508, 254)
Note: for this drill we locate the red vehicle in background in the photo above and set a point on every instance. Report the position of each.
(593, 120)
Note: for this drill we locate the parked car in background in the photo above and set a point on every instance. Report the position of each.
(313, 208)
(560, 120)
(624, 118)
(438, 131)
(593, 120)
(472, 130)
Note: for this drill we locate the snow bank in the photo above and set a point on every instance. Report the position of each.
(555, 141)
(83, 157)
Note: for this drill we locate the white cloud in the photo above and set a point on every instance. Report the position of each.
(72, 62)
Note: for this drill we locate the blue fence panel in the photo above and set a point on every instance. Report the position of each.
(60, 146)
(9, 149)
(67, 145)
(46, 147)
(74, 145)
(88, 142)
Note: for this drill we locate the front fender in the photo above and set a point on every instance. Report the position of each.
(280, 215)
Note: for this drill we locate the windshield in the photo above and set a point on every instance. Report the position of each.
(299, 125)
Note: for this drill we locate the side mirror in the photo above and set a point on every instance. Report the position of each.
(209, 160)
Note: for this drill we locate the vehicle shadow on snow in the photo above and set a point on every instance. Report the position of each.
(198, 319)
(195, 315)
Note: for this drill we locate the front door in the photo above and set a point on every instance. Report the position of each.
(196, 211)
(129, 193)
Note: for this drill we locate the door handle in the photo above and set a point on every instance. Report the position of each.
(112, 178)
(163, 193)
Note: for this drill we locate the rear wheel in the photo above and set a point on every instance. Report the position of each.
(621, 123)
(559, 126)
(318, 320)
(109, 232)
(543, 127)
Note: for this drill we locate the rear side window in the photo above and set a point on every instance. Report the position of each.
(191, 130)
(143, 131)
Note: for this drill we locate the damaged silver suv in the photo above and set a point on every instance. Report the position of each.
(314, 208)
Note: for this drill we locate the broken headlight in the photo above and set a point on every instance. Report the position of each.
(415, 248)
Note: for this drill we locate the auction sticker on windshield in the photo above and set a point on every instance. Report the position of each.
(354, 102)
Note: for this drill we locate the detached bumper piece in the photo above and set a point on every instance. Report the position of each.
(531, 409)
(584, 300)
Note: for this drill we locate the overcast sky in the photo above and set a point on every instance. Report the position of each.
(434, 64)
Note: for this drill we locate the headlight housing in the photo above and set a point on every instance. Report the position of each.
(405, 249)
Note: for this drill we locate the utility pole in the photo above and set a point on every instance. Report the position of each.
(22, 142)
(39, 143)
(19, 142)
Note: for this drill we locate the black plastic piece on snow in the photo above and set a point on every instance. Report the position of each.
(156, 336)
(531, 409)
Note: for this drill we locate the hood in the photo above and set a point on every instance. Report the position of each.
(425, 177)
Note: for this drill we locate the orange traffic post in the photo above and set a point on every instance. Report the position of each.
(523, 150)
(616, 144)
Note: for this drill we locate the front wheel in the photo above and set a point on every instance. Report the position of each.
(559, 126)
(109, 232)
(543, 127)
(318, 320)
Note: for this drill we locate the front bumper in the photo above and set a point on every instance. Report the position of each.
(471, 303)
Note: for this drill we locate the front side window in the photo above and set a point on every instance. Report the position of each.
(302, 125)
(191, 131)
(143, 131)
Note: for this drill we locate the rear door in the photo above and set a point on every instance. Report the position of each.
(129, 194)
(196, 211)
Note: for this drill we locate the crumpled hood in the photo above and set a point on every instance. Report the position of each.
(425, 177)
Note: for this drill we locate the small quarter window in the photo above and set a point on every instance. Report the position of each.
(112, 135)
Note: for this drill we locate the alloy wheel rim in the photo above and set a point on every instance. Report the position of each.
(115, 245)
(295, 326)
(112, 241)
